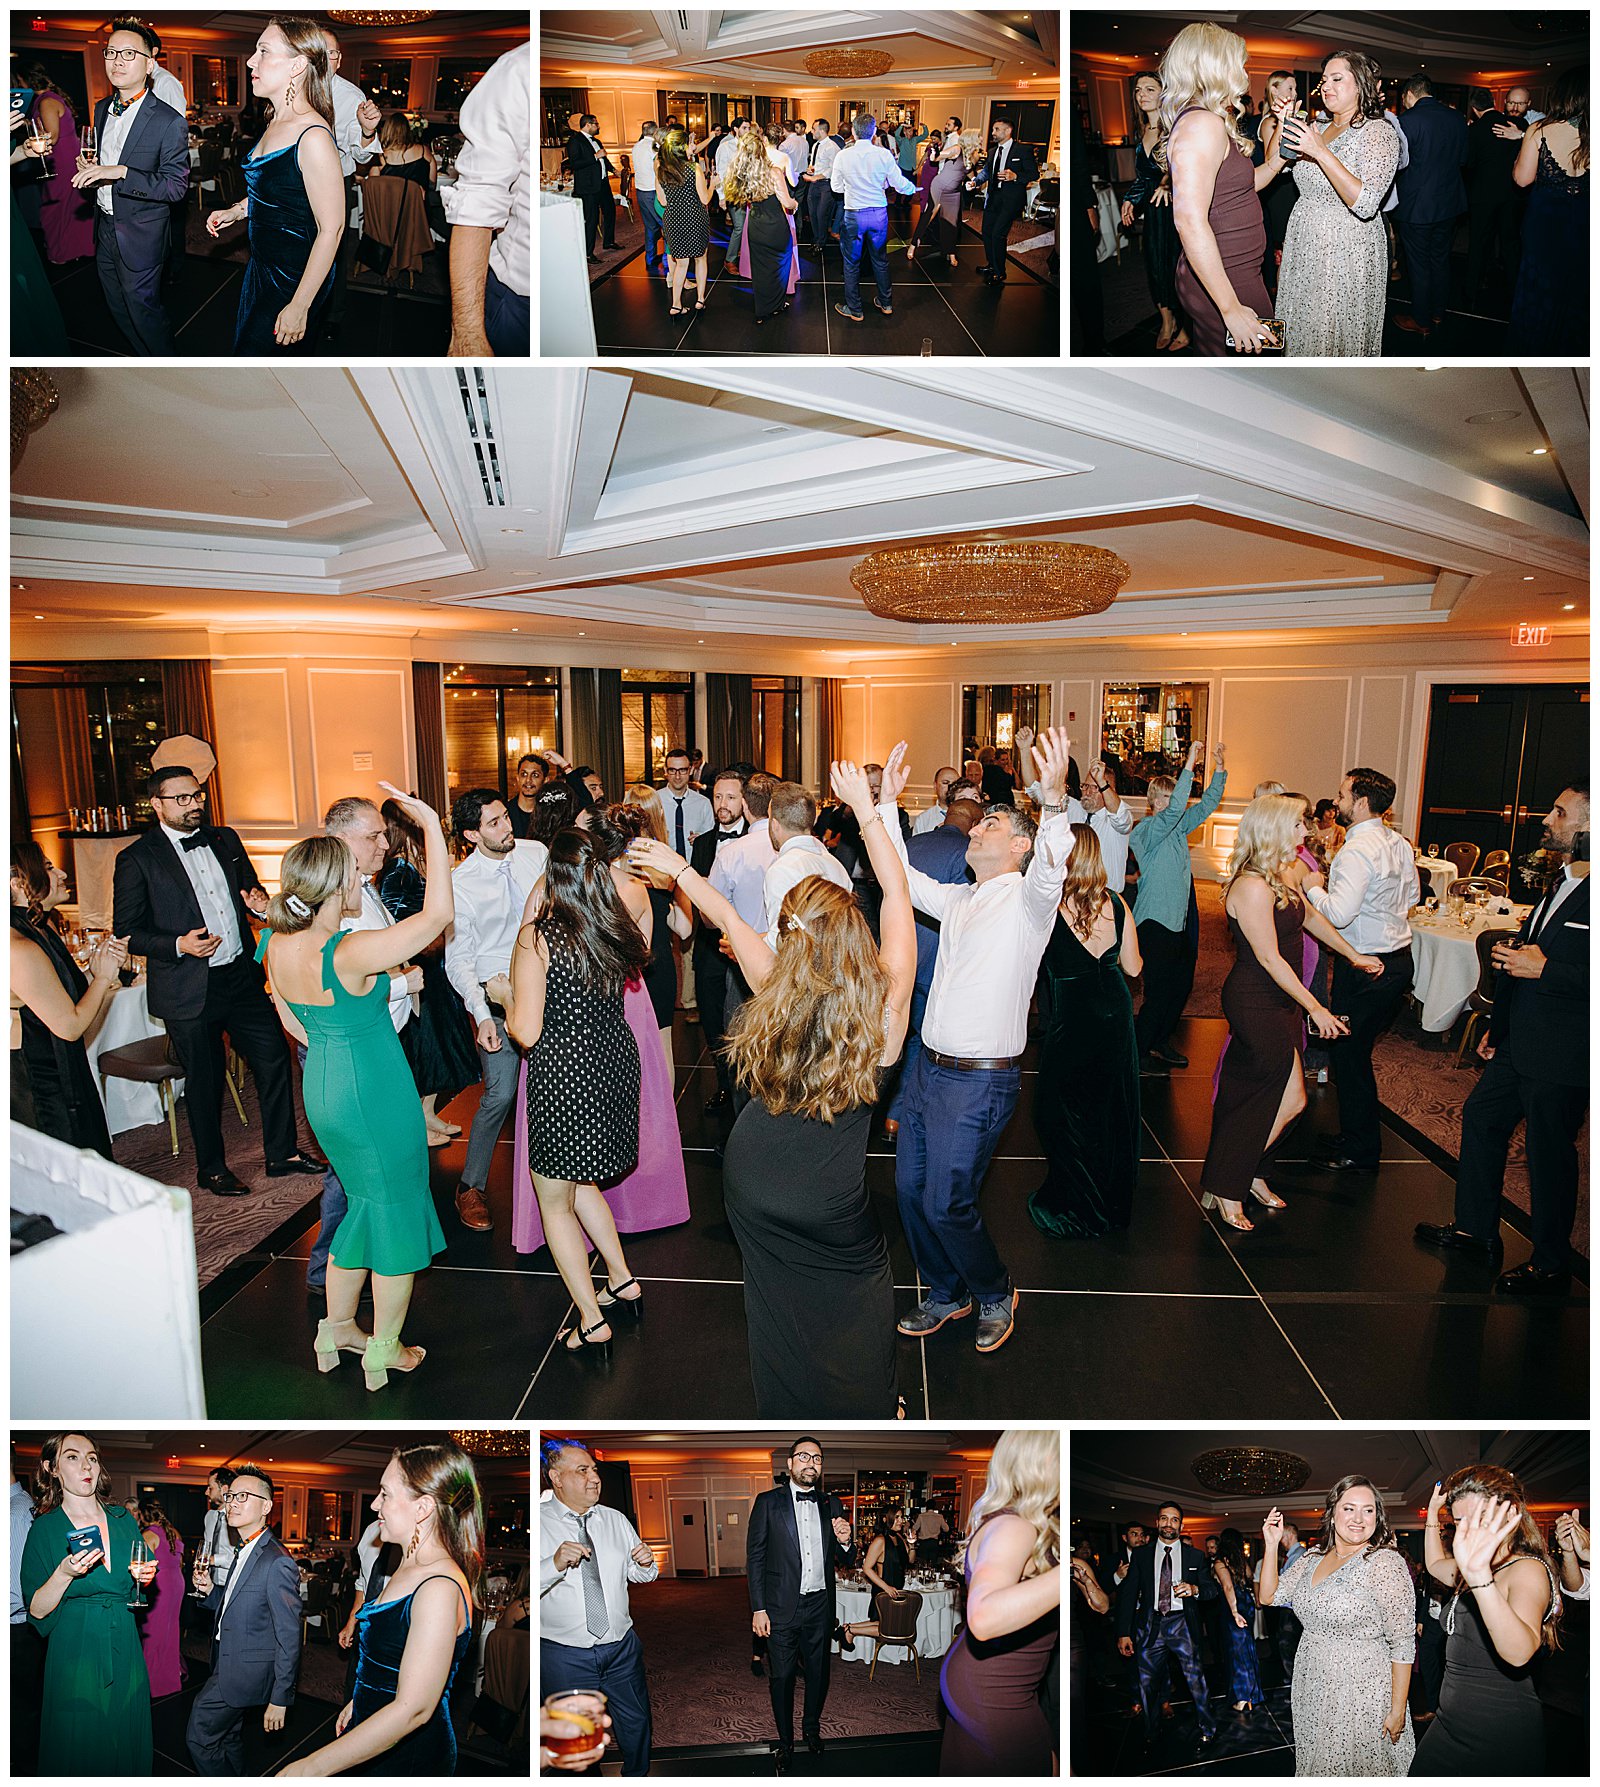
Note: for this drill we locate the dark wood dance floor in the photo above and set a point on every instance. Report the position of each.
(1328, 1309)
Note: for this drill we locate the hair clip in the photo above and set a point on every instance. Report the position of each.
(297, 906)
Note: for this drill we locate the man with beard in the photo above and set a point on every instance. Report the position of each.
(1159, 1616)
(1537, 1051)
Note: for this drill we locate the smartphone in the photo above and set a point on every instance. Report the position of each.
(83, 1539)
(23, 97)
(1276, 331)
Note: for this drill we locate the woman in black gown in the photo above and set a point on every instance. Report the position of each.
(1262, 1087)
(53, 1087)
(826, 1016)
(1086, 1101)
(1151, 192)
(1550, 312)
(890, 1554)
(1503, 1615)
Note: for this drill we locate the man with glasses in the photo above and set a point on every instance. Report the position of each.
(141, 173)
(256, 1637)
(798, 1536)
(216, 1537)
(183, 894)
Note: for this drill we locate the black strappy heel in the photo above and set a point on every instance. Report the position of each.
(609, 1299)
(593, 1349)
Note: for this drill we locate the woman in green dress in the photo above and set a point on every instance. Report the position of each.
(95, 1719)
(331, 988)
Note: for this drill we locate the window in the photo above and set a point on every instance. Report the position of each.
(657, 713)
(494, 714)
(216, 81)
(559, 104)
(388, 83)
(992, 713)
(689, 109)
(741, 105)
(775, 723)
(83, 734)
(900, 111)
(1149, 725)
(457, 77)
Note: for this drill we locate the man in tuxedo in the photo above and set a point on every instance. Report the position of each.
(182, 895)
(256, 1645)
(1491, 196)
(142, 172)
(1006, 176)
(1158, 1616)
(798, 1535)
(710, 964)
(1537, 1051)
(1113, 1573)
(591, 184)
(1432, 196)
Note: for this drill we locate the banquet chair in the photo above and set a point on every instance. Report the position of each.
(897, 1624)
(1498, 862)
(1480, 1001)
(151, 1062)
(317, 1605)
(1464, 886)
(1464, 856)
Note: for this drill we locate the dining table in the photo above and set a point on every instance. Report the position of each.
(1444, 954)
(936, 1621)
(1438, 872)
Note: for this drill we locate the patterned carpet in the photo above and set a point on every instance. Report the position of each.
(696, 1638)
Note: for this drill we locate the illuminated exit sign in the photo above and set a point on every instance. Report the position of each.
(1524, 635)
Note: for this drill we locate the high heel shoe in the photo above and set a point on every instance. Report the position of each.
(328, 1349)
(1208, 1202)
(576, 1339)
(611, 1298)
(845, 1638)
(1265, 1195)
(382, 1356)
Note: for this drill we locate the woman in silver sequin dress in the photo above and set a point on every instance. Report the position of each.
(1356, 1605)
(1334, 281)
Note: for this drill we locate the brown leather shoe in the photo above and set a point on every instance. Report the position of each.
(1410, 325)
(473, 1209)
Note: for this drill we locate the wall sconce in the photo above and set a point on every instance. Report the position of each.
(1002, 729)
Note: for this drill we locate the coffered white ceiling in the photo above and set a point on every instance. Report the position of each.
(668, 504)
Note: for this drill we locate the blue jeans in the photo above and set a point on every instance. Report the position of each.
(867, 230)
(330, 1214)
(507, 320)
(950, 1126)
(617, 1671)
(655, 240)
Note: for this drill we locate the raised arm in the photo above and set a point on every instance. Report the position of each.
(1512, 1602)
(1041, 886)
(1440, 1564)
(1349, 875)
(1526, 170)
(750, 949)
(897, 923)
(362, 953)
(1272, 1538)
(1196, 816)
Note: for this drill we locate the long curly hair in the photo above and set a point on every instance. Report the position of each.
(750, 177)
(1204, 66)
(151, 1513)
(1264, 843)
(673, 165)
(1382, 1538)
(1369, 83)
(1083, 892)
(1526, 1541)
(810, 1039)
(1025, 1479)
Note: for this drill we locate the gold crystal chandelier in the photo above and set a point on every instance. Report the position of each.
(989, 581)
(849, 64)
(491, 1442)
(1250, 1470)
(384, 15)
(34, 400)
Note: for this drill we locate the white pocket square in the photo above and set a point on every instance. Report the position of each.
(1575, 924)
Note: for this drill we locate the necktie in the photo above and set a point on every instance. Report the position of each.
(681, 847)
(1164, 1598)
(1541, 917)
(811, 161)
(594, 1593)
(119, 105)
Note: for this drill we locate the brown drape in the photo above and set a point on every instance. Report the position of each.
(427, 707)
(187, 701)
(597, 726)
(830, 722)
(731, 735)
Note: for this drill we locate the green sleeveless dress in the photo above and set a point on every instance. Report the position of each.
(362, 1105)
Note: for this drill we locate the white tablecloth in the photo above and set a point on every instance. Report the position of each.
(936, 1624)
(1436, 873)
(1446, 956)
(126, 1018)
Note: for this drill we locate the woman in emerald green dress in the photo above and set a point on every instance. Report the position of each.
(331, 988)
(95, 1719)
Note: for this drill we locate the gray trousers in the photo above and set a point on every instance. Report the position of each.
(500, 1072)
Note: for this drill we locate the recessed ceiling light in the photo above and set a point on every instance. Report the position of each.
(511, 530)
(1537, 452)
(1527, 580)
(41, 617)
(516, 629)
(1567, 607)
(583, 635)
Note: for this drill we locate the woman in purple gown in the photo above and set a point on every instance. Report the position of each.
(158, 1632)
(66, 216)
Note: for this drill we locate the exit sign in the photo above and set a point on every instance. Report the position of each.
(1524, 635)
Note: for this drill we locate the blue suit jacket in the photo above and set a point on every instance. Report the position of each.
(156, 156)
(1430, 185)
(258, 1648)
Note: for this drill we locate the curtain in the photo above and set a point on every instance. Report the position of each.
(427, 708)
(187, 701)
(791, 730)
(597, 726)
(830, 722)
(728, 719)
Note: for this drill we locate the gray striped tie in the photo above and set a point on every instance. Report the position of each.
(594, 1593)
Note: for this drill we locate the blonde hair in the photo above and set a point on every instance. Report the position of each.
(1083, 892)
(1024, 1479)
(1264, 843)
(811, 1038)
(314, 870)
(648, 801)
(750, 177)
(1204, 66)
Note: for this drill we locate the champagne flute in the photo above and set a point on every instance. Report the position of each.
(89, 144)
(205, 1557)
(139, 1555)
(39, 142)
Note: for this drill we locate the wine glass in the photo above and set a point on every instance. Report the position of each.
(89, 144)
(1433, 850)
(39, 142)
(139, 1554)
(205, 1557)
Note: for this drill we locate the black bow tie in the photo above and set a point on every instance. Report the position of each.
(198, 842)
(730, 834)
(808, 1495)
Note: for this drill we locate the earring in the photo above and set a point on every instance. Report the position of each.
(416, 1540)
(288, 97)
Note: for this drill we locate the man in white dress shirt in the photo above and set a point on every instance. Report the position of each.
(644, 187)
(688, 812)
(490, 208)
(355, 133)
(1371, 887)
(491, 887)
(964, 1086)
(818, 177)
(588, 1556)
(791, 817)
(936, 815)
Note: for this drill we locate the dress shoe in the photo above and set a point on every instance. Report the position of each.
(303, 1162)
(715, 1103)
(995, 1322)
(1345, 1163)
(473, 1209)
(814, 1743)
(1330, 1147)
(1410, 325)
(1446, 1234)
(224, 1184)
(1153, 1067)
(1171, 1057)
(929, 1316)
(757, 1667)
(783, 1757)
(1527, 1280)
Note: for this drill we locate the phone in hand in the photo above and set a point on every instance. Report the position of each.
(22, 99)
(82, 1539)
(1276, 331)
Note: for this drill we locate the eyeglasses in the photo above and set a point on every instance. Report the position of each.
(806, 1457)
(126, 55)
(184, 800)
(245, 1495)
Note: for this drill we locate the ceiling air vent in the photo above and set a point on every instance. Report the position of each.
(480, 434)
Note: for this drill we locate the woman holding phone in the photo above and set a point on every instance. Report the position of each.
(76, 1582)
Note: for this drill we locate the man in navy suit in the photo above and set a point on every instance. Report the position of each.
(142, 172)
(1432, 195)
(1158, 1616)
(1007, 174)
(1537, 1051)
(798, 1535)
(256, 1643)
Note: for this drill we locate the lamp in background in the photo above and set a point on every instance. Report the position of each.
(492, 1442)
(34, 400)
(1250, 1470)
(982, 582)
(384, 15)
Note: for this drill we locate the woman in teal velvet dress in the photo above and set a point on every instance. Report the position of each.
(294, 195)
(1232, 1571)
(413, 1641)
(331, 988)
(95, 1717)
(1086, 1106)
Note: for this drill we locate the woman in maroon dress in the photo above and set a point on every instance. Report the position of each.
(158, 1629)
(66, 216)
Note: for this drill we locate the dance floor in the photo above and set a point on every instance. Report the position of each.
(938, 309)
(1328, 1309)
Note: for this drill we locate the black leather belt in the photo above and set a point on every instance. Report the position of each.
(966, 1066)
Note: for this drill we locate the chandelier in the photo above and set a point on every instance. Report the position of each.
(384, 15)
(34, 400)
(848, 64)
(491, 1442)
(1250, 1471)
(985, 581)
